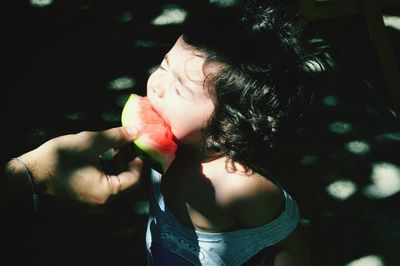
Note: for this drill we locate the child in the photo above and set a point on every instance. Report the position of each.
(231, 88)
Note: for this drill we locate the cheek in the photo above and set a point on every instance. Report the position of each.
(181, 126)
(189, 124)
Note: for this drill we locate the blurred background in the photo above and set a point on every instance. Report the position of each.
(69, 66)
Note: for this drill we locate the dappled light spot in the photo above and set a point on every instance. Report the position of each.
(171, 14)
(358, 147)
(41, 3)
(340, 127)
(75, 116)
(366, 82)
(224, 2)
(126, 16)
(385, 179)
(330, 100)
(39, 133)
(390, 136)
(121, 99)
(85, 7)
(341, 189)
(373, 112)
(309, 159)
(392, 21)
(141, 207)
(316, 40)
(370, 260)
(122, 83)
(304, 221)
(111, 116)
(145, 43)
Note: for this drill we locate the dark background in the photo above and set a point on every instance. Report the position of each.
(60, 66)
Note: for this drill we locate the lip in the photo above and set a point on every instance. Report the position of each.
(155, 109)
(163, 117)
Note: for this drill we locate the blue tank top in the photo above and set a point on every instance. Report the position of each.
(168, 242)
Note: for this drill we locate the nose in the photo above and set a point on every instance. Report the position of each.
(158, 83)
(158, 90)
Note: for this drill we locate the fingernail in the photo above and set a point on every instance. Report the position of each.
(132, 131)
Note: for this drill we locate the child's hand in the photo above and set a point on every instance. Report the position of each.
(74, 168)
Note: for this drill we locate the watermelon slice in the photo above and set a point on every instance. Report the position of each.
(155, 141)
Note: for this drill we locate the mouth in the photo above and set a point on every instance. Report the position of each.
(166, 121)
(158, 112)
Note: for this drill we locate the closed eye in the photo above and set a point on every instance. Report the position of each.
(178, 92)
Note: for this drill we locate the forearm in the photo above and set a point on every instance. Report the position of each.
(68, 168)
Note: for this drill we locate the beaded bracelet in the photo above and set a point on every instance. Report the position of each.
(35, 196)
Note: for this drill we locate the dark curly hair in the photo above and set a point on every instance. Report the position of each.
(262, 89)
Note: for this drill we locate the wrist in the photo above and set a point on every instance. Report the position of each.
(20, 172)
(31, 161)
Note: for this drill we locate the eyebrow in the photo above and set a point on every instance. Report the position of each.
(182, 81)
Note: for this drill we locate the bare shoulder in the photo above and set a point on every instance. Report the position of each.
(254, 199)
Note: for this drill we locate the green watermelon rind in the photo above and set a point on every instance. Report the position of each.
(158, 163)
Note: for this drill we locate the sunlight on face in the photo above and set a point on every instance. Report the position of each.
(385, 179)
(176, 91)
(341, 189)
(370, 260)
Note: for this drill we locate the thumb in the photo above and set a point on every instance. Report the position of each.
(126, 179)
(132, 176)
(114, 138)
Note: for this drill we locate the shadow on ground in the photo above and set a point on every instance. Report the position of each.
(70, 66)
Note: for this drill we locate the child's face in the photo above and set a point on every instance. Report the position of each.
(176, 92)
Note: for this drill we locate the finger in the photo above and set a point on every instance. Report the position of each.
(114, 184)
(131, 177)
(112, 138)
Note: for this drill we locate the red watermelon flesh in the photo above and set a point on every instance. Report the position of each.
(155, 140)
